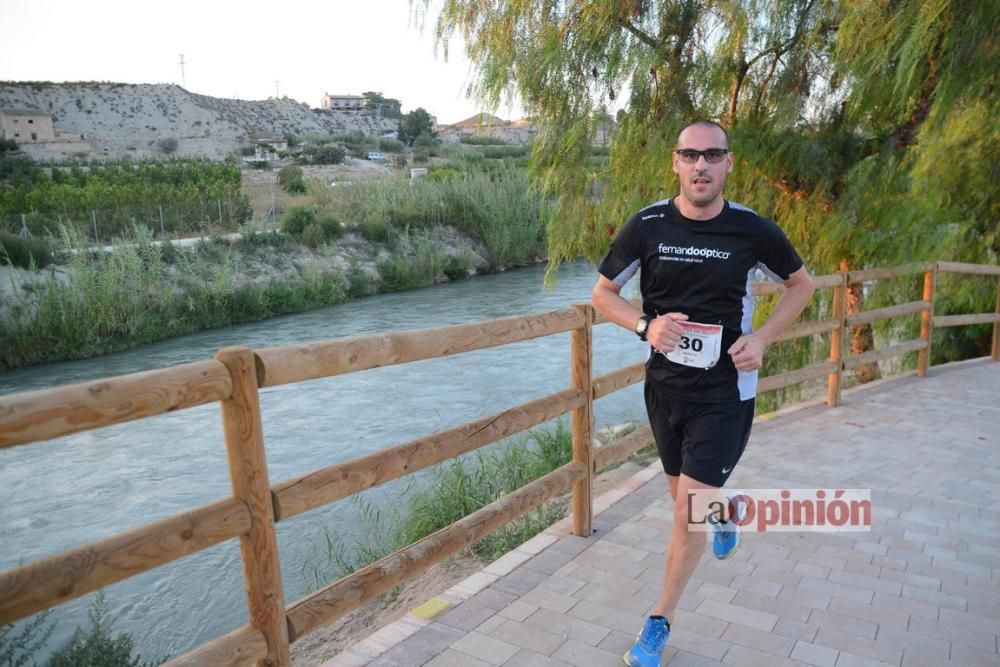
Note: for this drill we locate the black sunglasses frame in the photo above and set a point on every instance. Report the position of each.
(685, 154)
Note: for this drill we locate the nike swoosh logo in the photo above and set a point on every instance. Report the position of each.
(725, 471)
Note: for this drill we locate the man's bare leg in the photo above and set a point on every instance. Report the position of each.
(684, 550)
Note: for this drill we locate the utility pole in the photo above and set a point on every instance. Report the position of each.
(276, 82)
(183, 84)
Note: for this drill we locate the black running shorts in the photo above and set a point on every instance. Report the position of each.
(702, 440)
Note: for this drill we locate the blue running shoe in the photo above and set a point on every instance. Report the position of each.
(649, 644)
(726, 539)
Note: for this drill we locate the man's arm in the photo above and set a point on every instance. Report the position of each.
(663, 332)
(748, 351)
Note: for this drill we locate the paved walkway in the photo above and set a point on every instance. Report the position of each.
(922, 588)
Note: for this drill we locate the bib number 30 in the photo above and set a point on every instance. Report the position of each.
(699, 346)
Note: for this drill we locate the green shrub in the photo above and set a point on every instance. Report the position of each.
(359, 283)
(443, 174)
(456, 268)
(422, 156)
(289, 173)
(296, 219)
(325, 229)
(471, 158)
(388, 145)
(399, 161)
(323, 155)
(499, 152)
(97, 647)
(375, 227)
(168, 144)
(312, 235)
(482, 140)
(16, 649)
(428, 142)
(330, 225)
(25, 253)
(296, 187)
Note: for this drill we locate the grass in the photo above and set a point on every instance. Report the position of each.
(498, 208)
(25, 253)
(450, 492)
(144, 292)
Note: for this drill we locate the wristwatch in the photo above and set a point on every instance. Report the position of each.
(642, 326)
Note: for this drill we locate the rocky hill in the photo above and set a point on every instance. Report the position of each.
(486, 125)
(118, 119)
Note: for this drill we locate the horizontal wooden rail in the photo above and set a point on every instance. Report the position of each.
(349, 593)
(70, 574)
(961, 320)
(295, 363)
(772, 382)
(851, 363)
(622, 448)
(830, 280)
(878, 314)
(893, 272)
(619, 379)
(807, 329)
(339, 481)
(239, 647)
(49, 413)
(962, 267)
(765, 287)
(600, 319)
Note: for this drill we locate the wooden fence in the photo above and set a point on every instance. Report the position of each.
(234, 377)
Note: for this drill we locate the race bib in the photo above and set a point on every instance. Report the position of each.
(699, 346)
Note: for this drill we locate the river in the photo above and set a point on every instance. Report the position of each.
(76, 489)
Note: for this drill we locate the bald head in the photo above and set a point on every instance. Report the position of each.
(703, 125)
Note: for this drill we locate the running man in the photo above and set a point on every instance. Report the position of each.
(697, 254)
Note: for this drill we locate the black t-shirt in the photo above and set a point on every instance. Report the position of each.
(704, 269)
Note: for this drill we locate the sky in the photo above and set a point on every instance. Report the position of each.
(247, 50)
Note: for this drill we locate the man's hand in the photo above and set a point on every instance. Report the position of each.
(664, 332)
(748, 352)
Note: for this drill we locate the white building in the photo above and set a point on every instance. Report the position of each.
(329, 101)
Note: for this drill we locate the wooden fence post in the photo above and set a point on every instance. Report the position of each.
(837, 338)
(996, 328)
(927, 322)
(248, 474)
(583, 420)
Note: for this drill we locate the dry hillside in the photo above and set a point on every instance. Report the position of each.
(486, 125)
(118, 119)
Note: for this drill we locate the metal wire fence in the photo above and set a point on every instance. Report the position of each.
(105, 225)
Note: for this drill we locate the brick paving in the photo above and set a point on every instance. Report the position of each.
(922, 588)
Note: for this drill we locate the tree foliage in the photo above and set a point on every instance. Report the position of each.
(391, 107)
(868, 128)
(414, 124)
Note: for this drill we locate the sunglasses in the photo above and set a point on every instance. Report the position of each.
(711, 155)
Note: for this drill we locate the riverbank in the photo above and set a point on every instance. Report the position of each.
(97, 303)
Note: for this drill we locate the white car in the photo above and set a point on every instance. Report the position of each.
(375, 156)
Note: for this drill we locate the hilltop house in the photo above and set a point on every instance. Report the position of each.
(342, 102)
